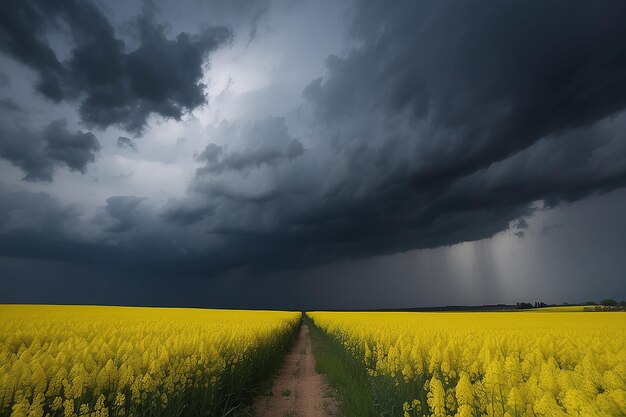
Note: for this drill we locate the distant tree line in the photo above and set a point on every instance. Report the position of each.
(605, 305)
(537, 304)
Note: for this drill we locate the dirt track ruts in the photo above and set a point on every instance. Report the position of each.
(298, 390)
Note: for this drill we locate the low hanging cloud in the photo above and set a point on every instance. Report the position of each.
(124, 142)
(185, 213)
(7, 104)
(472, 85)
(113, 84)
(25, 212)
(262, 145)
(39, 153)
(120, 214)
(443, 123)
(266, 142)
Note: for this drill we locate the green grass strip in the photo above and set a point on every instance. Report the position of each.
(348, 378)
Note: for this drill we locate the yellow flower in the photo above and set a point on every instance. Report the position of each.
(76, 359)
(513, 364)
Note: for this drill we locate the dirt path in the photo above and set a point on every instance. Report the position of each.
(297, 390)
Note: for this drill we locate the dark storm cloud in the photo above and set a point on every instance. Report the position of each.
(124, 233)
(37, 225)
(4, 79)
(114, 84)
(37, 212)
(185, 213)
(38, 153)
(283, 231)
(487, 79)
(267, 142)
(521, 224)
(438, 91)
(8, 105)
(519, 227)
(74, 150)
(444, 123)
(121, 214)
(266, 145)
(124, 142)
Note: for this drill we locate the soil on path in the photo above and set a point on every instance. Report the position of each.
(298, 390)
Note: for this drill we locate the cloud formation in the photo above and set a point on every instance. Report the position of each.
(473, 84)
(39, 153)
(267, 142)
(439, 123)
(113, 83)
(120, 214)
(441, 126)
(125, 142)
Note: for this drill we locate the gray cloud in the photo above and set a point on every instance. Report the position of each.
(34, 212)
(267, 142)
(185, 213)
(160, 76)
(125, 142)
(38, 153)
(438, 124)
(74, 150)
(37, 225)
(8, 105)
(442, 126)
(120, 214)
(474, 83)
(259, 145)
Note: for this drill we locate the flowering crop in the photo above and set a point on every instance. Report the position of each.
(489, 364)
(123, 361)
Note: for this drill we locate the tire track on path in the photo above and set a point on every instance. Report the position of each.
(298, 390)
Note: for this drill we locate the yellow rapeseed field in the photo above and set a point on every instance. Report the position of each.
(490, 364)
(119, 361)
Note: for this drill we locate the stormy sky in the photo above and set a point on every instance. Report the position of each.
(327, 154)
